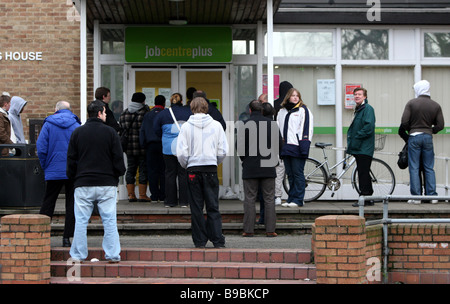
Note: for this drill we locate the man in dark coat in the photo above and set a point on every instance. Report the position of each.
(259, 143)
(103, 95)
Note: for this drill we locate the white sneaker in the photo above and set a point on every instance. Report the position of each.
(415, 202)
(278, 201)
(292, 205)
(285, 204)
(434, 201)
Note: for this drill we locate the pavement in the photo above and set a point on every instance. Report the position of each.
(290, 240)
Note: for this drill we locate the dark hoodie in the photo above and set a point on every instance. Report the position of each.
(285, 86)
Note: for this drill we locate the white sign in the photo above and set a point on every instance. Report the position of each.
(21, 56)
(326, 92)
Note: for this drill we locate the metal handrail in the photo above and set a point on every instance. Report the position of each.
(386, 220)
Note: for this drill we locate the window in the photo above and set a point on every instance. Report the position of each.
(113, 41)
(112, 78)
(437, 45)
(244, 41)
(302, 44)
(365, 44)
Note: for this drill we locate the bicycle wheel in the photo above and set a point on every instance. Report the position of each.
(316, 180)
(383, 178)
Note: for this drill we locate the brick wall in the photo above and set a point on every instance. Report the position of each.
(47, 27)
(419, 253)
(25, 249)
(345, 251)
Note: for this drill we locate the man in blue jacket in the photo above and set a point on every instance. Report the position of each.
(52, 146)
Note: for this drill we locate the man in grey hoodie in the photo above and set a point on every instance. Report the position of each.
(422, 118)
(17, 105)
(202, 145)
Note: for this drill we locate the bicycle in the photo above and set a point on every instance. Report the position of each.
(319, 176)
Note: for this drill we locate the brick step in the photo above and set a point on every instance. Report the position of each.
(189, 265)
(207, 270)
(247, 255)
(64, 280)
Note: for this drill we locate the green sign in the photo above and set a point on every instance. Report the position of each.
(178, 44)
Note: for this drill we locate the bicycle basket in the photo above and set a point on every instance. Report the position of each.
(379, 141)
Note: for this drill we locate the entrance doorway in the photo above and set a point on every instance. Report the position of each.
(177, 78)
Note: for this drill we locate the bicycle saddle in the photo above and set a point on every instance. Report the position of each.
(322, 145)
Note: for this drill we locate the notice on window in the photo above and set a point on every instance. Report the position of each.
(326, 92)
(349, 99)
(149, 96)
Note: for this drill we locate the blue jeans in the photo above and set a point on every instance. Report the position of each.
(295, 167)
(420, 149)
(106, 196)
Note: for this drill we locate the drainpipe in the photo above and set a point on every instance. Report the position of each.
(83, 62)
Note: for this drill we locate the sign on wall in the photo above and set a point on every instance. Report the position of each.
(178, 44)
(349, 98)
(326, 92)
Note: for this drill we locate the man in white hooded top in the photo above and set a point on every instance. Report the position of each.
(17, 105)
(422, 118)
(201, 147)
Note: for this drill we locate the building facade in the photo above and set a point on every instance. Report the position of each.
(59, 50)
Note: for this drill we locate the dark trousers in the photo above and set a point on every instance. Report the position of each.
(267, 188)
(133, 164)
(155, 170)
(52, 190)
(174, 170)
(203, 190)
(363, 163)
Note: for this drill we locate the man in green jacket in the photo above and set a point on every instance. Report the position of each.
(361, 141)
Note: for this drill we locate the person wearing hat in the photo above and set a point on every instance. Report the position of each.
(131, 121)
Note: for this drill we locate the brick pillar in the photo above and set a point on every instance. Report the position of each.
(25, 249)
(339, 249)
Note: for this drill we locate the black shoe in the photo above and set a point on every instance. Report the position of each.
(66, 242)
(219, 245)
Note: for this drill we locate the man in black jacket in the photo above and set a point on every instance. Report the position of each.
(259, 143)
(103, 95)
(95, 163)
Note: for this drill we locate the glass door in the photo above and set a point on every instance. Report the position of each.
(213, 80)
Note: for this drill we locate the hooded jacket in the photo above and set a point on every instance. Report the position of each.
(53, 142)
(422, 114)
(201, 142)
(17, 104)
(128, 122)
(285, 86)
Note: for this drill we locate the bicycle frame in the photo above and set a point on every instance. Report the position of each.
(348, 161)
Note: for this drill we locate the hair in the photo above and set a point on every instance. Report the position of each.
(199, 105)
(268, 109)
(176, 98)
(190, 93)
(62, 105)
(289, 94)
(160, 100)
(93, 109)
(199, 93)
(100, 92)
(361, 89)
(4, 99)
(255, 106)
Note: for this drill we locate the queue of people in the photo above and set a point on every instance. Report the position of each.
(176, 151)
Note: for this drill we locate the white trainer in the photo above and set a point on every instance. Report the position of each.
(285, 204)
(414, 202)
(292, 205)
(278, 201)
(434, 201)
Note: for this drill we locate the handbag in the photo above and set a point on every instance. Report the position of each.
(124, 137)
(403, 158)
(304, 144)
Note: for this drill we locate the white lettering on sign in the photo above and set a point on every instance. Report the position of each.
(21, 56)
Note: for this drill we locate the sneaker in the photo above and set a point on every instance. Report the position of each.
(434, 201)
(292, 205)
(278, 201)
(414, 202)
(285, 205)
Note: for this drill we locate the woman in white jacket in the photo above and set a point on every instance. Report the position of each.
(293, 118)
(201, 147)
